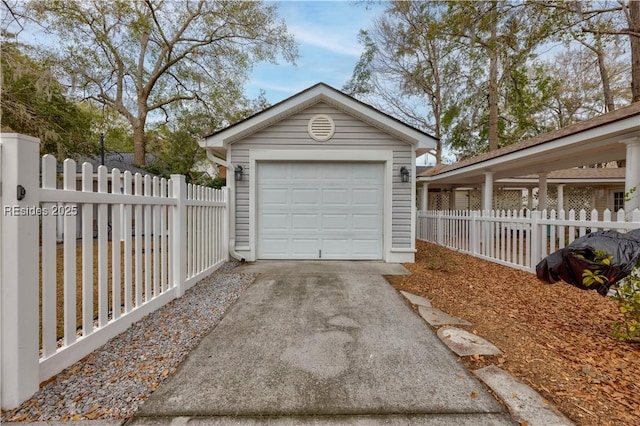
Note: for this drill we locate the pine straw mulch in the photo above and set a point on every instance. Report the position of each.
(556, 338)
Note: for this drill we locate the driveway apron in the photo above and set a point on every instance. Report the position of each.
(332, 343)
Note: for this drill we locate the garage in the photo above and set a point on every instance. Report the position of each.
(320, 210)
(320, 176)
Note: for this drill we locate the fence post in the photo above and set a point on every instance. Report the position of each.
(440, 228)
(473, 233)
(534, 256)
(226, 223)
(179, 233)
(19, 280)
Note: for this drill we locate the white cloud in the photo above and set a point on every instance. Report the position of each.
(335, 40)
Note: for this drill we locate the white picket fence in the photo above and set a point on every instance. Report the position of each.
(519, 239)
(155, 239)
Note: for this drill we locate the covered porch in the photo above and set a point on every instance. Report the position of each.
(520, 203)
(542, 170)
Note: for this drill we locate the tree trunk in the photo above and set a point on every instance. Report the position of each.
(139, 145)
(604, 76)
(437, 135)
(493, 82)
(634, 27)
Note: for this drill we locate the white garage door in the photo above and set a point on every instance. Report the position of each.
(313, 210)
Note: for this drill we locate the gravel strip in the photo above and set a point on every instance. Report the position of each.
(115, 380)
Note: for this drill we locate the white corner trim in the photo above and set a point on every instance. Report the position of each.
(402, 257)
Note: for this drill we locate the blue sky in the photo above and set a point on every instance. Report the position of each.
(327, 37)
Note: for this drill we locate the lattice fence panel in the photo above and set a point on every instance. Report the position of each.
(552, 199)
(439, 201)
(475, 199)
(508, 200)
(579, 198)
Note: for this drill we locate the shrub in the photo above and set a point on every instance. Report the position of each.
(627, 294)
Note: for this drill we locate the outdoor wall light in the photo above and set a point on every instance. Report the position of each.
(404, 173)
(238, 172)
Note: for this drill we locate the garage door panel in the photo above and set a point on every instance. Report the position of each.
(337, 248)
(336, 197)
(275, 222)
(366, 197)
(274, 247)
(335, 172)
(367, 247)
(306, 247)
(335, 222)
(303, 171)
(366, 222)
(305, 197)
(304, 222)
(311, 210)
(367, 174)
(266, 174)
(275, 196)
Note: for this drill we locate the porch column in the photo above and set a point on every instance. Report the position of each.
(487, 191)
(529, 198)
(632, 174)
(560, 189)
(424, 197)
(542, 191)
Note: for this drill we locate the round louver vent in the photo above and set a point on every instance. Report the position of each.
(321, 127)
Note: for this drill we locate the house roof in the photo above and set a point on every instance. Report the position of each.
(588, 142)
(219, 141)
(608, 176)
(122, 161)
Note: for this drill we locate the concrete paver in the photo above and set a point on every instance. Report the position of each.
(464, 343)
(415, 299)
(437, 317)
(327, 347)
(525, 404)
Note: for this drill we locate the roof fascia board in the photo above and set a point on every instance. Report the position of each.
(421, 140)
(618, 128)
(561, 181)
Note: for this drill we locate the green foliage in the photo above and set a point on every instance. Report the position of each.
(33, 103)
(627, 295)
(593, 277)
(360, 82)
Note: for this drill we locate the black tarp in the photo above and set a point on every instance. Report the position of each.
(569, 263)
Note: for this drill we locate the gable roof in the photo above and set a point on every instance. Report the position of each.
(219, 141)
(587, 142)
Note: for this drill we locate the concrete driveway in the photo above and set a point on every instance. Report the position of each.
(322, 343)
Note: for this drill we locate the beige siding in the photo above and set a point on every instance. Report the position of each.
(350, 133)
(601, 197)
